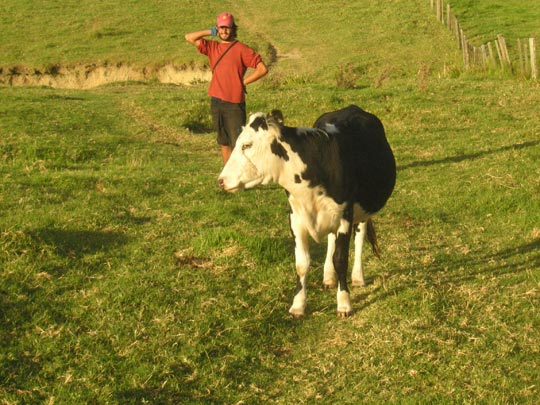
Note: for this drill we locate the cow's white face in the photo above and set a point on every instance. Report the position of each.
(252, 160)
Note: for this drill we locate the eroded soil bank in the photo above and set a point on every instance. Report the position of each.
(93, 75)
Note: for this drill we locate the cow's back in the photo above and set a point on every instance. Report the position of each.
(369, 168)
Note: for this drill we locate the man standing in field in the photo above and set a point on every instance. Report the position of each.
(229, 60)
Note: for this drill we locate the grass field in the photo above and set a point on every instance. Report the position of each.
(484, 20)
(128, 277)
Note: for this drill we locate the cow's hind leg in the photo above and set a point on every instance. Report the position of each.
(329, 277)
(341, 263)
(302, 259)
(357, 276)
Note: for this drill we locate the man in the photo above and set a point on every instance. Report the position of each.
(229, 60)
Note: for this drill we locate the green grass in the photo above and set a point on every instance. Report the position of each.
(39, 33)
(484, 20)
(127, 277)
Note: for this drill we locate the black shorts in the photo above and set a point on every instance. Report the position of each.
(228, 119)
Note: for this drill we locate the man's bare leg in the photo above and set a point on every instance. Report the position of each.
(225, 152)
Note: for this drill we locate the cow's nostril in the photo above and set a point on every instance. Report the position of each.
(221, 183)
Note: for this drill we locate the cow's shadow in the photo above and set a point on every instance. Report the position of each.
(468, 156)
(523, 256)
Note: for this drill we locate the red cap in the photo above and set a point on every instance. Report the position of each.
(225, 20)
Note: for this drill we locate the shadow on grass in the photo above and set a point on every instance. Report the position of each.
(197, 127)
(34, 293)
(528, 255)
(76, 244)
(470, 156)
(54, 252)
(510, 261)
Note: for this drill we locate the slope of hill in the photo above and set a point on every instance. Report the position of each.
(363, 40)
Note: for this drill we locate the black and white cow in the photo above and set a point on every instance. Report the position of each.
(337, 174)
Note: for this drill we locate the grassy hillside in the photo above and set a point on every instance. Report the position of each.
(127, 277)
(152, 33)
(484, 20)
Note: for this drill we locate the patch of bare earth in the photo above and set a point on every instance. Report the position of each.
(93, 75)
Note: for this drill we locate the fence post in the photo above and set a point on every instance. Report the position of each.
(492, 60)
(457, 31)
(534, 68)
(505, 58)
(526, 63)
(465, 48)
(484, 56)
(499, 54)
(521, 52)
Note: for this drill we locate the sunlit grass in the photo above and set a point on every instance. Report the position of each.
(128, 277)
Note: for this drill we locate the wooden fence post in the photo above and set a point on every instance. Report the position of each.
(503, 52)
(499, 54)
(465, 48)
(484, 56)
(491, 54)
(520, 52)
(534, 68)
(457, 31)
(526, 63)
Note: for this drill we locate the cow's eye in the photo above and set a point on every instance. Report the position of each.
(247, 146)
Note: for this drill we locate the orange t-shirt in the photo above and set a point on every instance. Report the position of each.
(227, 81)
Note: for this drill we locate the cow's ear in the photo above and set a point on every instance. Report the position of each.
(258, 121)
(277, 116)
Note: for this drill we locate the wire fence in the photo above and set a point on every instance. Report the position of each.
(519, 58)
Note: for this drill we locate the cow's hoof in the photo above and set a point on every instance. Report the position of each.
(329, 285)
(358, 283)
(296, 313)
(345, 314)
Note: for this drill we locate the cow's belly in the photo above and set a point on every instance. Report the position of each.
(360, 215)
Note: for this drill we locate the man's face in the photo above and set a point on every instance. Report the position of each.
(224, 33)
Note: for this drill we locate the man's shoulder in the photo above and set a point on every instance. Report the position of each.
(207, 45)
(242, 47)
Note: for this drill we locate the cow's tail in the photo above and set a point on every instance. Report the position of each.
(372, 238)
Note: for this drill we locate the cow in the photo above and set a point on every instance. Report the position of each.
(337, 175)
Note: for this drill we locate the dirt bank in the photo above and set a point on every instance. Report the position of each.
(94, 75)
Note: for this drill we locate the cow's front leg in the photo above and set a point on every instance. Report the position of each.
(302, 258)
(341, 264)
(329, 277)
(358, 269)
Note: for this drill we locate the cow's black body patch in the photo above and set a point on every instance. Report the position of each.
(365, 156)
(353, 163)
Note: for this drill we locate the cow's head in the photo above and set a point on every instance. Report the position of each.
(255, 158)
